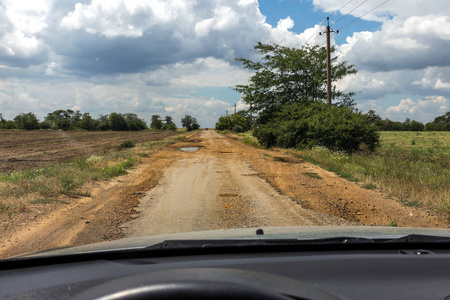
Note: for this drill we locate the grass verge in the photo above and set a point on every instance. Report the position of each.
(417, 173)
(43, 185)
(413, 166)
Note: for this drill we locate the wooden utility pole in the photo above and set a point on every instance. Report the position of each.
(328, 32)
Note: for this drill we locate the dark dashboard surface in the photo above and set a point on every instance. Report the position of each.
(349, 274)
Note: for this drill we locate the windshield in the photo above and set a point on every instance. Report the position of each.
(128, 119)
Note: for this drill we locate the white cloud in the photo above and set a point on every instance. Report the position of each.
(442, 85)
(216, 104)
(123, 18)
(424, 109)
(402, 43)
(161, 56)
(285, 24)
(27, 16)
(20, 21)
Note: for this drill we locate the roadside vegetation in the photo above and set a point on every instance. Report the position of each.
(413, 166)
(45, 185)
(287, 96)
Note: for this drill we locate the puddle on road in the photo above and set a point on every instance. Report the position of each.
(189, 148)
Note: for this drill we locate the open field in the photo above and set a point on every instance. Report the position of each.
(24, 150)
(224, 184)
(413, 166)
(69, 163)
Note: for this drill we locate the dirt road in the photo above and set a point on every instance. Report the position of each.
(214, 188)
(225, 184)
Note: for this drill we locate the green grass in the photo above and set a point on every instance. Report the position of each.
(43, 185)
(250, 140)
(393, 223)
(369, 186)
(416, 172)
(126, 145)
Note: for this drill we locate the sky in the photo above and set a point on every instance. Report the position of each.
(177, 57)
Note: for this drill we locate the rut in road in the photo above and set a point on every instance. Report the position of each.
(214, 188)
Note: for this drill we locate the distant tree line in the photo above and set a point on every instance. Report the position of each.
(71, 120)
(441, 123)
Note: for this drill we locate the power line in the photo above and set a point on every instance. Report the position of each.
(315, 34)
(350, 11)
(363, 15)
(342, 6)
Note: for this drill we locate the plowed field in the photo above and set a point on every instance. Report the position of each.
(20, 150)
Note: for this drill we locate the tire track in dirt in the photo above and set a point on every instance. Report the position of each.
(214, 189)
(225, 184)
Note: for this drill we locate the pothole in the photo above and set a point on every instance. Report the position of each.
(229, 195)
(189, 149)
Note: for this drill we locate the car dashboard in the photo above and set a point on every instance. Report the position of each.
(325, 272)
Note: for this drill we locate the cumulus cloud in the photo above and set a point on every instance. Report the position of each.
(20, 22)
(123, 18)
(402, 43)
(162, 56)
(133, 36)
(424, 109)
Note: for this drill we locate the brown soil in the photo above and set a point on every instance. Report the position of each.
(223, 185)
(21, 149)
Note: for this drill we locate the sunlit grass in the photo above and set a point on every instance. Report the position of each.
(414, 166)
(41, 185)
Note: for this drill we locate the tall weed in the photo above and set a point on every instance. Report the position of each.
(408, 171)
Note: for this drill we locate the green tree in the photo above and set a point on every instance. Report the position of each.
(195, 124)
(27, 121)
(87, 122)
(117, 122)
(9, 125)
(416, 126)
(235, 122)
(169, 124)
(291, 75)
(375, 119)
(288, 92)
(6, 124)
(103, 122)
(62, 119)
(134, 123)
(189, 123)
(156, 122)
(440, 123)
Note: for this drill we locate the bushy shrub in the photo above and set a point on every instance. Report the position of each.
(234, 122)
(238, 128)
(125, 145)
(305, 125)
(169, 127)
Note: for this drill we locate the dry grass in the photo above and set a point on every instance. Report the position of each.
(414, 166)
(42, 185)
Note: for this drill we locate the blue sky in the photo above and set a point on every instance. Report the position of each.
(177, 57)
(305, 15)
